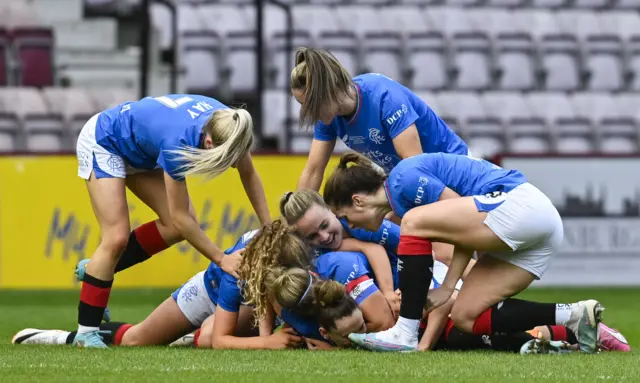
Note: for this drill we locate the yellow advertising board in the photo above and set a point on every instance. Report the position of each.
(47, 223)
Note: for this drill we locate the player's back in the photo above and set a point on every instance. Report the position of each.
(346, 266)
(140, 130)
(465, 175)
(435, 135)
(215, 277)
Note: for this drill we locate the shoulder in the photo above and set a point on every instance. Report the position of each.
(243, 241)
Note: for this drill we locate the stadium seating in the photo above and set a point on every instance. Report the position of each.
(508, 75)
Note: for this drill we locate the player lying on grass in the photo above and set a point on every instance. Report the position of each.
(149, 147)
(342, 308)
(348, 268)
(475, 206)
(191, 306)
(314, 221)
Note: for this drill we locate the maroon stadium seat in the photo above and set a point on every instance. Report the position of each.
(34, 50)
(4, 57)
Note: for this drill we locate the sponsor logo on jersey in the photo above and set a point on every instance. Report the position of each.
(419, 195)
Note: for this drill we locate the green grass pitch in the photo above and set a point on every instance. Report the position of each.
(19, 309)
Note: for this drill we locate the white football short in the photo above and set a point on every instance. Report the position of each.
(526, 220)
(193, 300)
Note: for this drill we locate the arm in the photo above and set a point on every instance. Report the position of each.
(378, 259)
(407, 143)
(223, 328)
(319, 156)
(186, 223)
(377, 313)
(266, 324)
(459, 263)
(436, 323)
(225, 324)
(438, 297)
(253, 187)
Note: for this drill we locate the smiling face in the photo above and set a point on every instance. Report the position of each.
(320, 228)
(344, 326)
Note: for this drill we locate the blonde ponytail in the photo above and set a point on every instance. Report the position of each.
(232, 133)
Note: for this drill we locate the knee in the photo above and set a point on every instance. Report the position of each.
(132, 338)
(463, 319)
(169, 232)
(409, 224)
(115, 241)
(418, 224)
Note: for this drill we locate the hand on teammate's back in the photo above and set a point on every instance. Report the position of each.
(285, 338)
(231, 263)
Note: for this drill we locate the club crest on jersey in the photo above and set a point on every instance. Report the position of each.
(374, 135)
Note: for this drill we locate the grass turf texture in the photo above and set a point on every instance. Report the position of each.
(20, 309)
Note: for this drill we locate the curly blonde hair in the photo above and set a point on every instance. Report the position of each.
(275, 246)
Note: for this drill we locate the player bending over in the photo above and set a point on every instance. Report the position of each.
(150, 146)
(475, 206)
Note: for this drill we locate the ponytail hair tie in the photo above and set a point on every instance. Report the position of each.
(287, 195)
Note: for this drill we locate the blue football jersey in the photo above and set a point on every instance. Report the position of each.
(420, 180)
(388, 235)
(223, 288)
(352, 270)
(143, 132)
(386, 109)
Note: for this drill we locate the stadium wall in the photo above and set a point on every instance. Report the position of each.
(599, 200)
(47, 224)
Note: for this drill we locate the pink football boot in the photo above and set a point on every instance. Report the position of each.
(612, 340)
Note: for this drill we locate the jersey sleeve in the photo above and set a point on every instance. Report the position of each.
(408, 188)
(397, 113)
(229, 294)
(242, 242)
(305, 327)
(342, 266)
(322, 132)
(361, 288)
(388, 235)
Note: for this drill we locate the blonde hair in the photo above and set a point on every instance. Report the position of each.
(322, 79)
(302, 293)
(231, 131)
(294, 205)
(355, 173)
(276, 245)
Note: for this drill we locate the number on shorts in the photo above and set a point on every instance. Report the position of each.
(173, 104)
